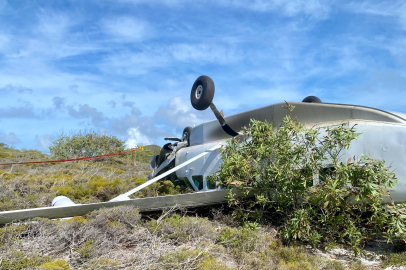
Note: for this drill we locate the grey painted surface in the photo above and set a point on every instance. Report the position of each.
(203, 166)
(305, 112)
(144, 205)
(178, 167)
(385, 141)
(383, 136)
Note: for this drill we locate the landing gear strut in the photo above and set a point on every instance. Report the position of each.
(201, 98)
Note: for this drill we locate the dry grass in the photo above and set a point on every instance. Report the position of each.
(29, 186)
(120, 238)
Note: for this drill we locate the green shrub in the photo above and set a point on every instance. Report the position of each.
(238, 239)
(358, 266)
(334, 265)
(16, 260)
(190, 259)
(77, 219)
(85, 145)
(160, 188)
(102, 188)
(295, 258)
(144, 155)
(10, 154)
(6, 149)
(275, 169)
(86, 250)
(10, 234)
(55, 265)
(101, 263)
(126, 214)
(183, 229)
(396, 259)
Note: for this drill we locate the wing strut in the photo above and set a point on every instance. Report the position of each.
(124, 196)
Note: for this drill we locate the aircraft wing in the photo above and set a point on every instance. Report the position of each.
(143, 204)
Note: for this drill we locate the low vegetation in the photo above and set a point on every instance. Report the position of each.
(89, 144)
(293, 177)
(120, 238)
(88, 181)
(85, 144)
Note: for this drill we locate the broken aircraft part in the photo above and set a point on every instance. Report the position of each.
(62, 201)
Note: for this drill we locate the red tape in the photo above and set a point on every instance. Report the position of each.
(65, 160)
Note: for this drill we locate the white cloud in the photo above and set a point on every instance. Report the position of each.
(128, 63)
(85, 111)
(73, 88)
(385, 89)
(43, 142)
(179, 113)
(52, 35)
(136, 138)
(58, 102)
(396, 9)
(10, 138)
(53, 25)
(165, 2)
(258, 52)
(18, 89)
(4, 42)
(254, 97)
(314, 8)
(205, 53)
(25, 111)
(127, 28)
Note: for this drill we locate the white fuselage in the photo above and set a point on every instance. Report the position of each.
(383, 135)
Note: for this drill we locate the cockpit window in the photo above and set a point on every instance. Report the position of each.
(211, 183)
(326, 174)
(198, 181)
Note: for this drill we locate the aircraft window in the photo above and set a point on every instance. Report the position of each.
(326, 173)
(198, 180)
(211, 184)
(184, 182)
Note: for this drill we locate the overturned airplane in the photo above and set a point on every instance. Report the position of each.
(195, 155)
(383, 136)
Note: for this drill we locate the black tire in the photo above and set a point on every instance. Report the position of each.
(166, 149)
(202, 93)
(311, 99)
(186, 135)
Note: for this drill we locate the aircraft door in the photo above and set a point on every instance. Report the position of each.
(197, 171)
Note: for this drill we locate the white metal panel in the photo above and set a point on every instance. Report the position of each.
(385, 141)
(304, 112)
(144, 205)
(204, 166)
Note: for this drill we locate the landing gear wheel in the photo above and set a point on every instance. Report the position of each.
(166, 149)
(186, 135)
(202, 93)
(311, 99)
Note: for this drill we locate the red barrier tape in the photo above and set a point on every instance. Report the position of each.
(65, 160)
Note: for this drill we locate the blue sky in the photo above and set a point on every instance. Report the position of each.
(126, 67)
